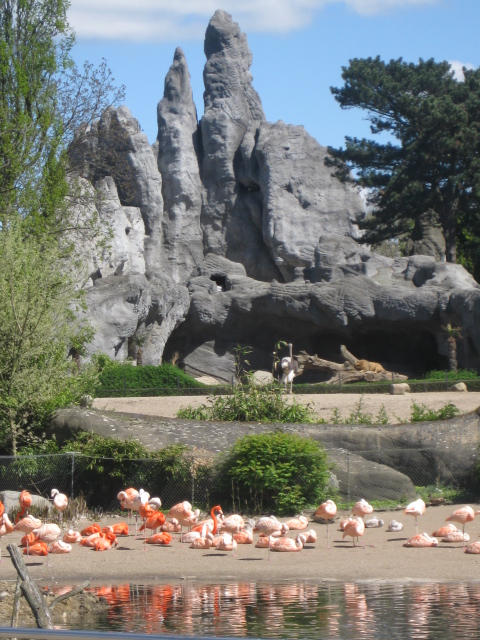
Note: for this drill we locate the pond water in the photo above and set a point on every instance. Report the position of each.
(374, 610)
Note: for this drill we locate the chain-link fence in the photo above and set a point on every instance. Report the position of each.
(396, 474)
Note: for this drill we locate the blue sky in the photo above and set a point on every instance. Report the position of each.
(298, 46)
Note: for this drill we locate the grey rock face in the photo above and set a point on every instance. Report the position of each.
(178, 163)
(233, 231)
(301, 198)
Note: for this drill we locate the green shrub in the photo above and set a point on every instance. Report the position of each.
(251, 404)
(122, 377)
(421, 413)
(274, 472)
(461, 374)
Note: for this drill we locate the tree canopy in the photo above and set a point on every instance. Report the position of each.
(46, 105)
(431, 161)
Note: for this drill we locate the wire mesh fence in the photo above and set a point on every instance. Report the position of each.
(395, 474)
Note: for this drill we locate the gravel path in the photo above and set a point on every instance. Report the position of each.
(398, 408)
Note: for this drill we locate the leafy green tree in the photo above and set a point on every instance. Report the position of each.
(45, 104)
(431, 161)
(38, 325)
(453, 334)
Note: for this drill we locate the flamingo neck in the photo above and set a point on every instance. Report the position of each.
(215, 524)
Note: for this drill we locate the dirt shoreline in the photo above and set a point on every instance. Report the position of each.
(383, 558)
(398, 408)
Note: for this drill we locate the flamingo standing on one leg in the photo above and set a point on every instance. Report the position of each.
(60, 502)
(25, 500)
(185, 515)
(327, 510)
(354, 528)
(269, 526)
(463, 515)
(416, 509)
(27, 525)
(48, 533)
(5, 528)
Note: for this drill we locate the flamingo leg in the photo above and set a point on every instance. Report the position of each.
(464, 535)
(269, 543)
(416, 525)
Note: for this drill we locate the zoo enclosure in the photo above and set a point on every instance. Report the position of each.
(98, 480)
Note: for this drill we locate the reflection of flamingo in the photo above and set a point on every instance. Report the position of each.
(60, 502)
(327, 510)
(463, 515)
(421, 540)
(25, 500)
(354, 528)
(288, 544)
(416, 508)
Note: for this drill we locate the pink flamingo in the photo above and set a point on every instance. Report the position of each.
(299, 523)
(288, 544)
(327, 510)
(204, 541)
(27, 525)
(473, 548)
(362, 508)
(60, 502)
(214, 522)
(416, 508)
(5, 528)
(354, 528)
(445, 530)
(227, 543)
(421, 540)
(232, 524)
(25, 500)
(245, 536)
(184, 514)
(462, 515)
(456, 536)
(58, 546)
(310, 536)
(72, 536)
(270, 526)
(47, 533)
(171, 526)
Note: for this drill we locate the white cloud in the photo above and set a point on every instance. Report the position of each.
(164, 20)
(457, 68)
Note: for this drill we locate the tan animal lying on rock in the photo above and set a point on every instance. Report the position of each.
(365, 365)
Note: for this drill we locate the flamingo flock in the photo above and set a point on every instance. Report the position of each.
(217, 531)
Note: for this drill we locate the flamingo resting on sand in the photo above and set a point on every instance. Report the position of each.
(60, 502)
(37, 549)
(227, 543)
(416, 508)
(204, 540)
(462, 515)
(473, 548)
(441, 532)
(327, 511)
(456, 536)
(421, 540)
(354, 528)
(288, 544)
(72, 536)
(59, 547)
(163, 538)
(299, 523)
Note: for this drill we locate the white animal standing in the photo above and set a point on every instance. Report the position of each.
(289, 368)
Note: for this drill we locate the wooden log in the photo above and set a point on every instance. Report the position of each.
(30, 590)
(16, 603)
(69, 594)
(345, 370)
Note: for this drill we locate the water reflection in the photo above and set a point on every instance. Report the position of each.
(294, 610)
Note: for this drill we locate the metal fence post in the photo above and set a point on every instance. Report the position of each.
(348, 479)
(193, 480)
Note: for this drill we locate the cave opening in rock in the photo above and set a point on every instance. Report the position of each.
(220, 281)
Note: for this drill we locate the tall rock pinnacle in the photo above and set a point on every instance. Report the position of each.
(232, 107)
(178, 164)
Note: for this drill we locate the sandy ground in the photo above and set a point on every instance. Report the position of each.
(398, 408)
(383, 558)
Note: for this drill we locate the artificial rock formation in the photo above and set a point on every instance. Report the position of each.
(232, 231)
